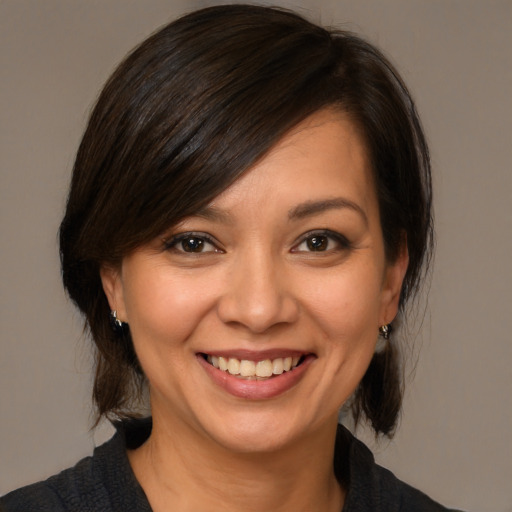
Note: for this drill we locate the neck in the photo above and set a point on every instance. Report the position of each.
(194, 473)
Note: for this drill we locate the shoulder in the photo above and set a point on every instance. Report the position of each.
(60, 492)
(372, 487)
(103, 482)
(398, 495)
(36, 497)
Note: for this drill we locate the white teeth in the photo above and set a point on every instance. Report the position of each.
(277, 366)
(264, 368)
(246, 368)
(223, 364)
(233, 366)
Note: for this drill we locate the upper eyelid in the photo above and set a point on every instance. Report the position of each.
(170, 241)
(341, 240)
(322, 232)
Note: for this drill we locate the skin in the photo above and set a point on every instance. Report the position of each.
(258, 285)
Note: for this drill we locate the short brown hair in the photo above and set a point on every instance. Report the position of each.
(191, 109)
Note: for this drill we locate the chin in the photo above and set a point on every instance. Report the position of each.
(252, 440)
(257, 433)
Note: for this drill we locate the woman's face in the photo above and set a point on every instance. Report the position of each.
(285, 267)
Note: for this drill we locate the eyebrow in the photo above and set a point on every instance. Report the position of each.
(214, 214)
(306, 209)
(311, 208)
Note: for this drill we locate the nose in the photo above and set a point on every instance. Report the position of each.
(258, 294)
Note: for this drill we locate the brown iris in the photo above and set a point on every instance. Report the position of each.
(192, 244)
(317, 243)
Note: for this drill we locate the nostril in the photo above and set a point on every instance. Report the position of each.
(257, 302)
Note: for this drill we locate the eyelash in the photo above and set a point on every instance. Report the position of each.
(338, 238)
(203, 238)
(173, 242)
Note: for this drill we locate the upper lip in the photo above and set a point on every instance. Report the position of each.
(256, 355)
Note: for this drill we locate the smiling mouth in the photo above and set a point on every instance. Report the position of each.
(254, 370)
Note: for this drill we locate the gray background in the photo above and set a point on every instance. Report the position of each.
(455, 438)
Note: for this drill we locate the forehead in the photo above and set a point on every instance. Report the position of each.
(322, 157)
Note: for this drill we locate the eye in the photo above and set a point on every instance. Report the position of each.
(322, 241)
(191, 243)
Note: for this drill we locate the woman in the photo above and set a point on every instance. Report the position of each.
(249, 212)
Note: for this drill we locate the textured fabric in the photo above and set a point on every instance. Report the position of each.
(101, 483)
(106, 483)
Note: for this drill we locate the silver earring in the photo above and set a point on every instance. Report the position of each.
(383, 339)
(117, 325)
(384, 331)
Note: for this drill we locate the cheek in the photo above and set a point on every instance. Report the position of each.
(346, 305)
(163, 310)
(347, 315)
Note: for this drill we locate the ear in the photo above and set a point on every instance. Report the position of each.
(113, 288)
(392, 285)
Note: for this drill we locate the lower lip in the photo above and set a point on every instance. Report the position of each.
(256, 389)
